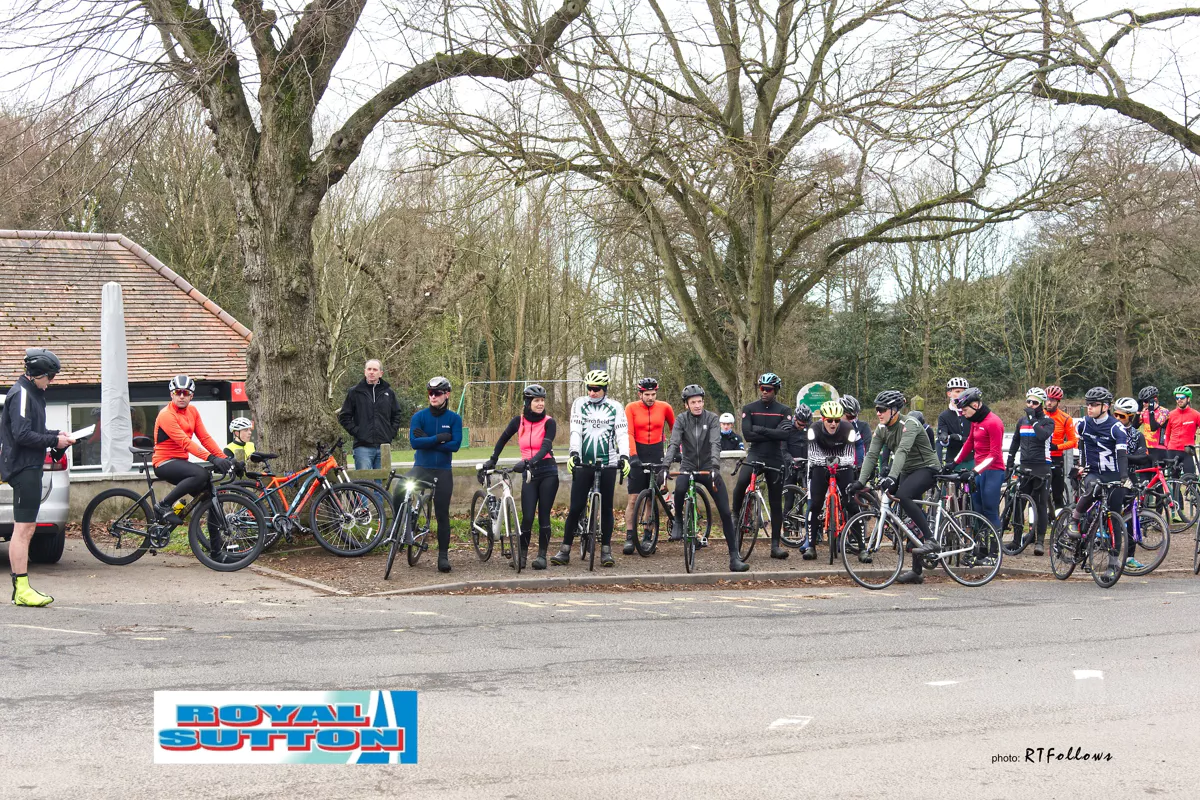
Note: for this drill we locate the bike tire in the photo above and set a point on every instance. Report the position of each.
(267, 504)
(509, 510)
(1106, 550)
(795, 519)
(1013, 514)
(396, 531)
(418, 529)
(1156, 539)
(749, 525)
(889, 545)
(1063, 549)
(593, 534)
(125, 546)
(1196, 556)
(689, 538)
(346, 520)
(646, 521)
(975, 531)
(482, 525)
(243, 531)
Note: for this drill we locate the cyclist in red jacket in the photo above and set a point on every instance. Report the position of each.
(1181, 427)
(986, 443)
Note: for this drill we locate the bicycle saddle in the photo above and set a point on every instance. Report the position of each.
(262, 458)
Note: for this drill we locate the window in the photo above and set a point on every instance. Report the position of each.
(86, 453)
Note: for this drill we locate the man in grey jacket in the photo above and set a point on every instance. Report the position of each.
(696, 441)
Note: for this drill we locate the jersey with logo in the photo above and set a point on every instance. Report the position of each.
(599, 431)
(1100, 442)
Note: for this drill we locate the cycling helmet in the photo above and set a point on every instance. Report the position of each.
(1126, 405)
(692, 390)
(534, 390)
(851, 405)
(770, 379)
(890, 398)
(1036, 394)
(596, 377)
(1186, 391)
(969, 396)
(957, 383)
(1054, 392)
(39, 361)
(918, 416)
(1148, 393)
(648, 385)
(181, 382)
(832, 409)
(804, 413)
(240, 424)
(727, 417)
(1098, 394)
(438, 384)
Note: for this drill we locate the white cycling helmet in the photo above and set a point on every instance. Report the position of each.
(1036, 393)
(240, 424)
(1126, 405)
(727, 417)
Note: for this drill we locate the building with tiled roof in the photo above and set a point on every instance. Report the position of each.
(50, 290)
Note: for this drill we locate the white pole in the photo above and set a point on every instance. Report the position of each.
(116, 426)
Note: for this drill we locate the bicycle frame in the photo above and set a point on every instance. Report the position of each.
(310, 479)
(692, 496)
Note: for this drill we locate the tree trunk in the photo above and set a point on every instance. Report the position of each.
(1126, 347)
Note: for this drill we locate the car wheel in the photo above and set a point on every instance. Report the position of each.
(46, 547)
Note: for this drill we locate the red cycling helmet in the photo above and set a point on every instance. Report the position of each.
(1054, 393)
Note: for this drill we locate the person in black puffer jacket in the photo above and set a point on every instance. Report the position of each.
(371, 415)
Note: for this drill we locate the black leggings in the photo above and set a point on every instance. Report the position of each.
(720, 496)
(913, 486)
(188, 477)
(1058, 481)
(774, 482)
(1037, 487)
(442, 492)
(581, 487)
(537, 494)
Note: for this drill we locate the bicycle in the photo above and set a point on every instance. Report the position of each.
(692, 538)
(494, 516)
(1101, 545)
(1184, 491)
(1018, 511)
(344, 518)
(1150, 531)
(653, 501)
(833, 514)
(794, 531)
(589, 524)
(226, 531)
(968, 547)
(754, 515)
(1156, 494)
(411, 523)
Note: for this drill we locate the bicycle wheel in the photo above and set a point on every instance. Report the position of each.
(750, 524)
(689, 538)
(1106, 548)
(593, 534)
(645, 516)
(395, 535)
(704, 513)
(1155, 542)
(835, 523)
(883, 546)
(385, 499)
(116, 526)
(346, 520)
(1063, 548)
(1188, 492)
(795, 516)
(971, 551)
(513, 523)
(418, 527)
(482, 525)
(227, 532)
(1014, 515)
(1196, 557)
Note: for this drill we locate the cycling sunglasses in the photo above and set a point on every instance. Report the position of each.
(881, 409)
(595, 388)
(437, 392)
(1033, 402)
(181, 393)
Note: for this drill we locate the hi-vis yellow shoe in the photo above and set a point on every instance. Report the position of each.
(25, 595)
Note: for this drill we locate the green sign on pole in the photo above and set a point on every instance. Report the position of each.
(814, 394)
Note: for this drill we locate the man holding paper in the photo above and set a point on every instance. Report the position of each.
(23, 444)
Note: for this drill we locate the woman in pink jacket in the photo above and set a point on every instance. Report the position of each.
(986, 443)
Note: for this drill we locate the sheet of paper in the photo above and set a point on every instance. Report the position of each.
(82, 433)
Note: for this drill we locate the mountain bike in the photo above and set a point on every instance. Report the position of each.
(968, 547)
(1018, 511)
(226, 531)
(1151, 532)
(411, 523)
(1100, 546)
(345, 518)
(754, 515)
(655, 502)
(692, 537)
(494, 516)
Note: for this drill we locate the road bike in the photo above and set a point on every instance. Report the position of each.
(794, 531)
(1100, 544)
(754, 515)
(589, 524)
(494, 517)
(1184, 490)
(1150, 530)
(226, 530)
(833, 513)
(693, 538)
(1018, 511)
(655, 503)
(345, 518)
(968, 547)
(412, 522)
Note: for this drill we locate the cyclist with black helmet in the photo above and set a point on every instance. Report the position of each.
(833, 438)
(599, 441)
(24, 440)
(1105, 446)
(646, 418)
(535, 431)
(912, 472)
(178, 433)
(852, 410)
(435, 433)
(797, 443)
(696, 442)
(1064, 440)
(952, 427)
(766, 426)
(1153, 421)
(1031, 438)
(986, 445)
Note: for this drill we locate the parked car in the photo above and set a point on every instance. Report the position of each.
(48, 540)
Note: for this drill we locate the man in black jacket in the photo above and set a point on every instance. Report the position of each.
(23, 444)
(766, 426)
(371, 414)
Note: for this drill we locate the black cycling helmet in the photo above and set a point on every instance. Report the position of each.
(648, 385)
(770, 379)
(969, 396)
(181, 383)
(851, 405)
(1148, 393)
(803, 413)
(918, 416)
(1098, 394)
(438, 384)
(692, 390)
(39, 361)
(890, 398)
(534, 390)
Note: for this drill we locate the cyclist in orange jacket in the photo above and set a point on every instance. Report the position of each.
(1065, 438)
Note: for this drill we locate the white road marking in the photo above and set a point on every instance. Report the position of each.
(56, 630)
(1084, 674)
(1176, 592)
(941, 683)
(425, 613)
(529, 605)
(795, 723)
(399, 630)
(595, 616)
(149, 638)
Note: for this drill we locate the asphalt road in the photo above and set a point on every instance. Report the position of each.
(906, 693)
